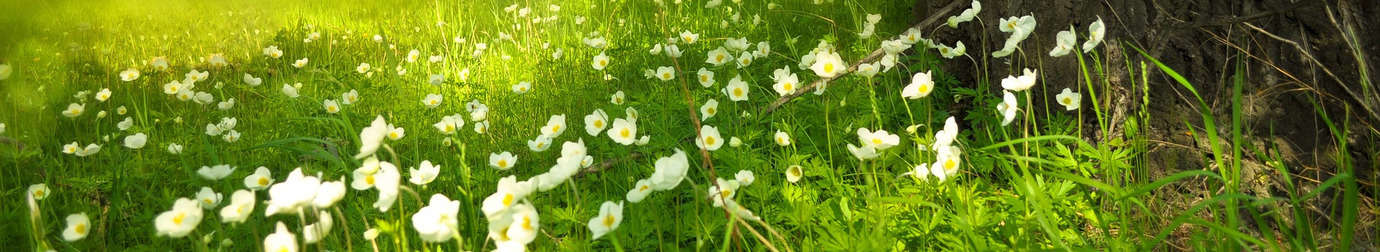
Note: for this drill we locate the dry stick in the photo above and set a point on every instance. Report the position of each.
(871, 57)
(758, 235)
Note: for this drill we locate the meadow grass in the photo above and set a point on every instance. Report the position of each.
(1035, 184)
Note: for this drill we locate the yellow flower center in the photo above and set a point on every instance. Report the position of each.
(508, 199)
(788, 86)
(80, 228)
(539, 145)
(625, 132)
(828, 67)
(725, 193)
(710, 111)
(737, 92)
(876, 141)
(450, 127)
(598, 123)
(608, 220)
(644, 188)
(795, 172)
(527, 222)
(704, 78)
(392, 134)
(38, 194)
(949, 164)
(603, 63)
(924, 88)
(719, 58)
(263, 181)
(666, 75)
(555, 128)
(1067, 101)
(207, 200)
(369, 180)
(709, 140)
(178, 219)
(502, 163)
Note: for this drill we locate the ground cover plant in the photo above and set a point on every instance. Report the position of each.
(786, 125)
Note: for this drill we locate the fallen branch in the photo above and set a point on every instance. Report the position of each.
(871, 57)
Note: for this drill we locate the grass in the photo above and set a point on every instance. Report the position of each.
(1036, 184)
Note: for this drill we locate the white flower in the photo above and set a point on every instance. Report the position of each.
(329, 193)
(1096, 32)
(706, 77)
(540, 144)
(522, 87)
(292, 194)
(386, 182)
(103, 95)
(215, 172)
(673, 51)
(180, 220)
(1019, 83)
(129, 75)
(951, 52)
(596, 122)
(1007, 108)
(665, 73)
(91, 149)
(502, 161)
(362, 68)
(947, 164)
(432, 100)
(623, 131)
(895, 46)
(640, 191)
(718, 57)
(350, 97)
(946, 136)
(449, 124)
(745, 177)
(424, 173)
(396, 133)
(260, 180)
(39, 191)
(208, 198)
(670, 171)
(786, 82)
(281, 240)
(868, 70)
(273, 52)
(74, 110)
(1069, 99)
(864, 153)
(610, 216)
(966, 15)
(744, 60)
(828, 64)
(413, 55)
(600, 62)
(795, 172)
(291, 90)
(617, 98)
(313, 233)
(722, 191)
(175, 148)
(1064, 43)
(331, 106)
(509, 193)
(125, 124)
(231, 136)
(880, 139)
(920, 86)
(737, 90)
(78, 225)
(782, 138)
(370, 137)
(709, 138)
(689, 37)
(481, 127)
(436, 79)
(227, 104)
(709, 109)
(300, 63)
(555, 126)
(136, 141)
(438, 221)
